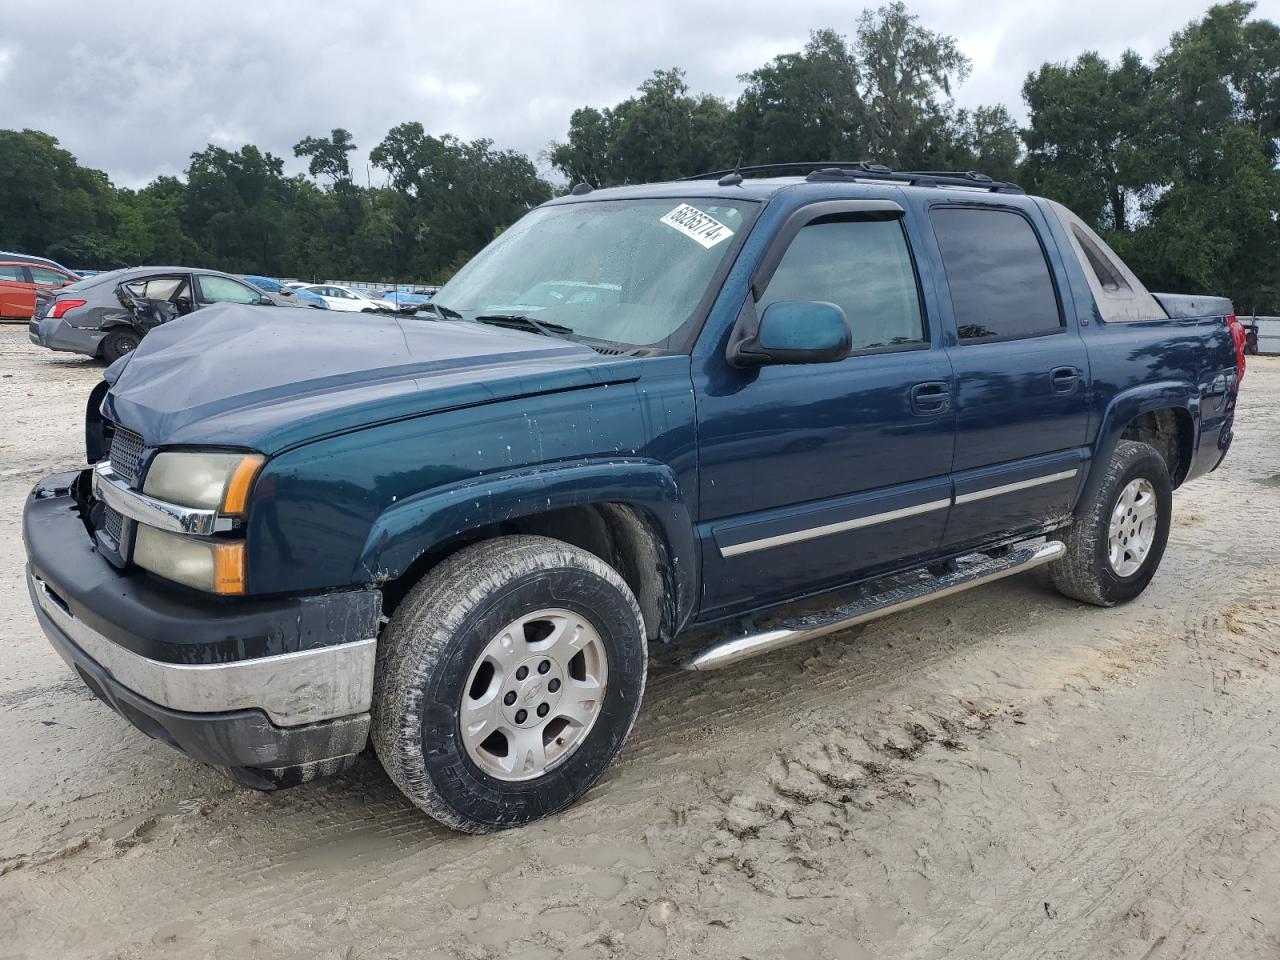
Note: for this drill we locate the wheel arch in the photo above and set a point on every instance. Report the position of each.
(628, 513)
(1165, 414)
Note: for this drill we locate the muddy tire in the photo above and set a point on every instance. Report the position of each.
(117, 343)
(1115, 545)
(507, 681)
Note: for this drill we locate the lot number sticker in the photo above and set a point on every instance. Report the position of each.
(696, 225)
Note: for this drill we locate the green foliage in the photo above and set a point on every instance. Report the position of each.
(661, 134)
(1174, 160)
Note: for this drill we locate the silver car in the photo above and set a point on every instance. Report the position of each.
(87, 317)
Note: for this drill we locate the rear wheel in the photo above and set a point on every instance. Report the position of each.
(507, 681)
(1117, 541)
(117, 343)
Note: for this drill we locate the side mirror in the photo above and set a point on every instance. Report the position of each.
(790, 331)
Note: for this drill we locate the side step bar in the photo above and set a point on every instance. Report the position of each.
(972, 570)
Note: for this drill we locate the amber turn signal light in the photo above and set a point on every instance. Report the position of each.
(236, 498)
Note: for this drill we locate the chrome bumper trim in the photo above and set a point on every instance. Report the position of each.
(290, 688)
(128, 502)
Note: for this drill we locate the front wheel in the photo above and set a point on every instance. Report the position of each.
(507, 681)
(1115, 545)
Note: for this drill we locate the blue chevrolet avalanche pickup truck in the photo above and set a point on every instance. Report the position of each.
(636, 411)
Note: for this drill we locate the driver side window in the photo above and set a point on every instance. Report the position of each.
(862, 266)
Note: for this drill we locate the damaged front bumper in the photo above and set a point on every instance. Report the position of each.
(274, 691)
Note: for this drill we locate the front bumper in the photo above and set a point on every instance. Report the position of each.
(276, 691)
(61, 335)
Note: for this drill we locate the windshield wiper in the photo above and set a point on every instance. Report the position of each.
(527, 322)
(444, 311)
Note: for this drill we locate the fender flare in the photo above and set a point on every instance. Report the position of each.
(413, 526)
(1130, 404)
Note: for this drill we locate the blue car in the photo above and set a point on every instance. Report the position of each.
(643, 409)
(405, 299)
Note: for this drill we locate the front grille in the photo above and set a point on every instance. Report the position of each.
(113, 524)
(126, 455)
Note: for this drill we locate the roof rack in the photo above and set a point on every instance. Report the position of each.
(826, 170)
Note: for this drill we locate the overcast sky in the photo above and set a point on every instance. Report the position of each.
(135, 86)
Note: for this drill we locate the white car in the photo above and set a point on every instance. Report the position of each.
(344, 298)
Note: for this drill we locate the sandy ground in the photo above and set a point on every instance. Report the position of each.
(1002, 774)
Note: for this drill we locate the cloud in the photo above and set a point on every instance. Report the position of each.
(135, 86)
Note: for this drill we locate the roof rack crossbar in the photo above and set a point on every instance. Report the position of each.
(867, 170)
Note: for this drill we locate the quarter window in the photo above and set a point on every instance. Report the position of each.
(862, 266)
(1001, 288)
(1109, 278)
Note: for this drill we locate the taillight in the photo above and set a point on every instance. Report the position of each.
(1238, 337)
(62, 306)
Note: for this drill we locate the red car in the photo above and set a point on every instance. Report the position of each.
(19, 282)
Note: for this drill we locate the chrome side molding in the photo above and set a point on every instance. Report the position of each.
(971, 570)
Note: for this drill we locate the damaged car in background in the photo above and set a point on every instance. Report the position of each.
(88, 317)
(638, 410)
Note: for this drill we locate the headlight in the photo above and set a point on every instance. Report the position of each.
(216, 566)
(209, 481)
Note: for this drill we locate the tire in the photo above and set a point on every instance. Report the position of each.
(117, 343)
(1087, 571)
(434, 652)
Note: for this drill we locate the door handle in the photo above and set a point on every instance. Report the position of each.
(1064, 379)
(933, 396)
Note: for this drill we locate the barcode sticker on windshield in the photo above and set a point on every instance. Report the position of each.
(696, 225)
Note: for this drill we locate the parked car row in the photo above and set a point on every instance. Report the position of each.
(98, 312)
(89, 317)
(347, 299)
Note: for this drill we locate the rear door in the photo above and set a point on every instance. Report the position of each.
(1021, 373)
(17, 295)
(818, 474)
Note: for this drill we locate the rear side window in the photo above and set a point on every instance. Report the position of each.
(1001, 288)
(862, 266)
(225, 290)
(11, 271)
(44, 275)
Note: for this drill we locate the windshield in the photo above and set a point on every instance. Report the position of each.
(624, 271)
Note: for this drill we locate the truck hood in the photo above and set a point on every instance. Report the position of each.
(269, 379)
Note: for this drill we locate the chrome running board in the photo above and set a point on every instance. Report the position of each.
(971, 570)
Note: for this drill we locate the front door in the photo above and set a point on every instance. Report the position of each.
(815, 475)
(1021, 375)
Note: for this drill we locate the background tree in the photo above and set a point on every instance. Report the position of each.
(1090, 140)
(907, 75)
(803, 106)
